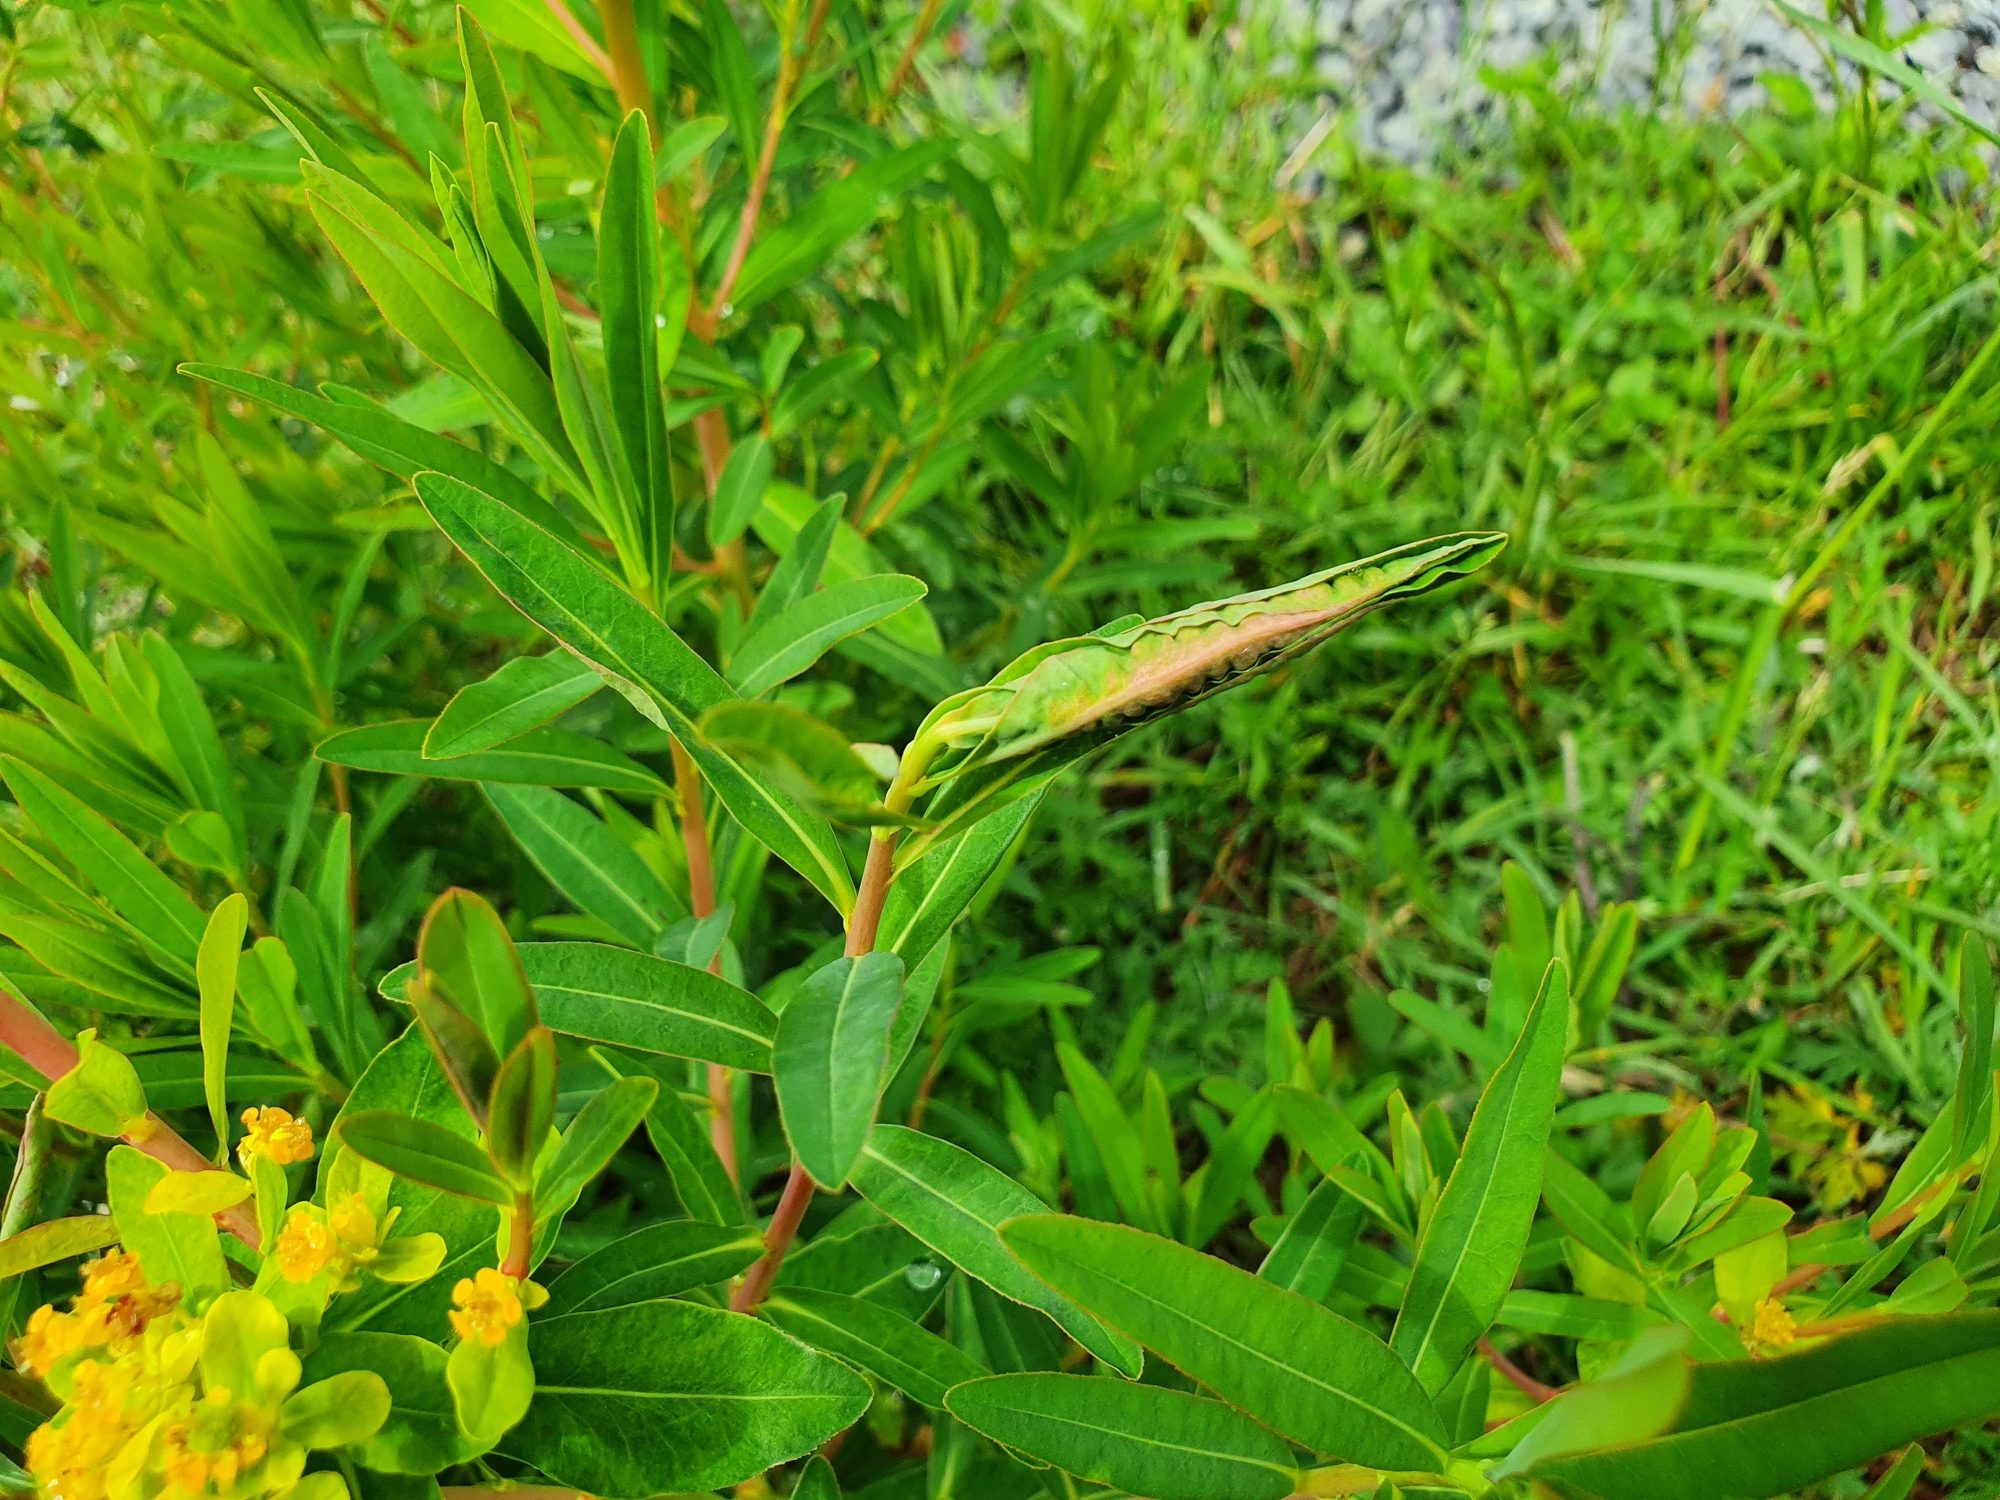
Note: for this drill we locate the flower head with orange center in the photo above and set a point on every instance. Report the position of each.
(305, 1247)
(486, 1306)
(274, 1133)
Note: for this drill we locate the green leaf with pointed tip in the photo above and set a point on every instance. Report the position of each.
(424, 1153)
(215, 969)
(955, 1203)
(1140, 1439)
(932, 893)
(597, 1134)
(1471, 1248)
(587, 862)
(1972, 1104)
(739, 489)
(1309, 1254)
(685, 1148)
(654, 669)
(817, 1482)
(387, 440)
(524, 694)
(524, 1106)
(791, 642)
(1758, 1428)
(540, 757)
(57, 1239)
(671, 1397)
(660, 1260)
(798, 571)
(828, 1060)
(1298, 1368)
(467, 957)
(872, 1338)
(625, 999)
(628, 258)
(138, 890)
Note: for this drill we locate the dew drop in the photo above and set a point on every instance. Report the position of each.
(922, 1275)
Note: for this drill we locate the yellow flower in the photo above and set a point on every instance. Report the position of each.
(1772, 1328)
(353, 1223)
(111, 1314)
(489, 1304)
(274, 1133)
(70, 1456)
(305, 1247)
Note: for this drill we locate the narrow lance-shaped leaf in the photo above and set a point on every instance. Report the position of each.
(424, 1153)
(955, 1203)
(792, 641)
(215, 970)
(1295, 1366)
(1471, 1249)
(654, 669)
(524, 694)
(628, 257)
(1659, 1427)
(833, 1040)
(1139, 1439)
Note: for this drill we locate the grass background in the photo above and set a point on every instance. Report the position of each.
(1673, 358)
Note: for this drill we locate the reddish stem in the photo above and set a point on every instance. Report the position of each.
(777, 1240)
(51, 1054)
(701, 898)
(520, 1239)
(874, 892)
(1519, 1378)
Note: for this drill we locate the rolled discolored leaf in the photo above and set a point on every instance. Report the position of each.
(1066, 698)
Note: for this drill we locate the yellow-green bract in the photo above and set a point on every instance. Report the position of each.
(1064, 698)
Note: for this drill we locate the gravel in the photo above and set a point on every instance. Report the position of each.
(1407, 73)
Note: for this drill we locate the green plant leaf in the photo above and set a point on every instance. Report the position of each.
(1471, 1249)
(405, 1076)
(467, 958)
(831, 217)
(137, 889)
(1758, 1428)
(587, 862)
(524, 694)
(420, 1435)
(343, 1409)
(424, 1153)
(670, 1397)
(56, 1239)
(1298, 1368)
(597, 1134)
(625, 999)
(215, 969)
(540, 757)
(385, 439)
(828, 1061)
(1140, 1439)
(176, 1247)
(955, 1203)
(1309, 1254)
(686, 1149)
(792, 641)
(660, 1260)
(628, 258)
(651, 666)
(1972, 1102)
(101, 1094)
(523, 1109)
(874, 1339)
(739, 489)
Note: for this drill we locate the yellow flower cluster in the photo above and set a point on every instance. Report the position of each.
(119, 1358)
(1772, 1328)
(274, 1133)
(110, 1314)
(342, 1238)
(152, 1422)
(486, 1306)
